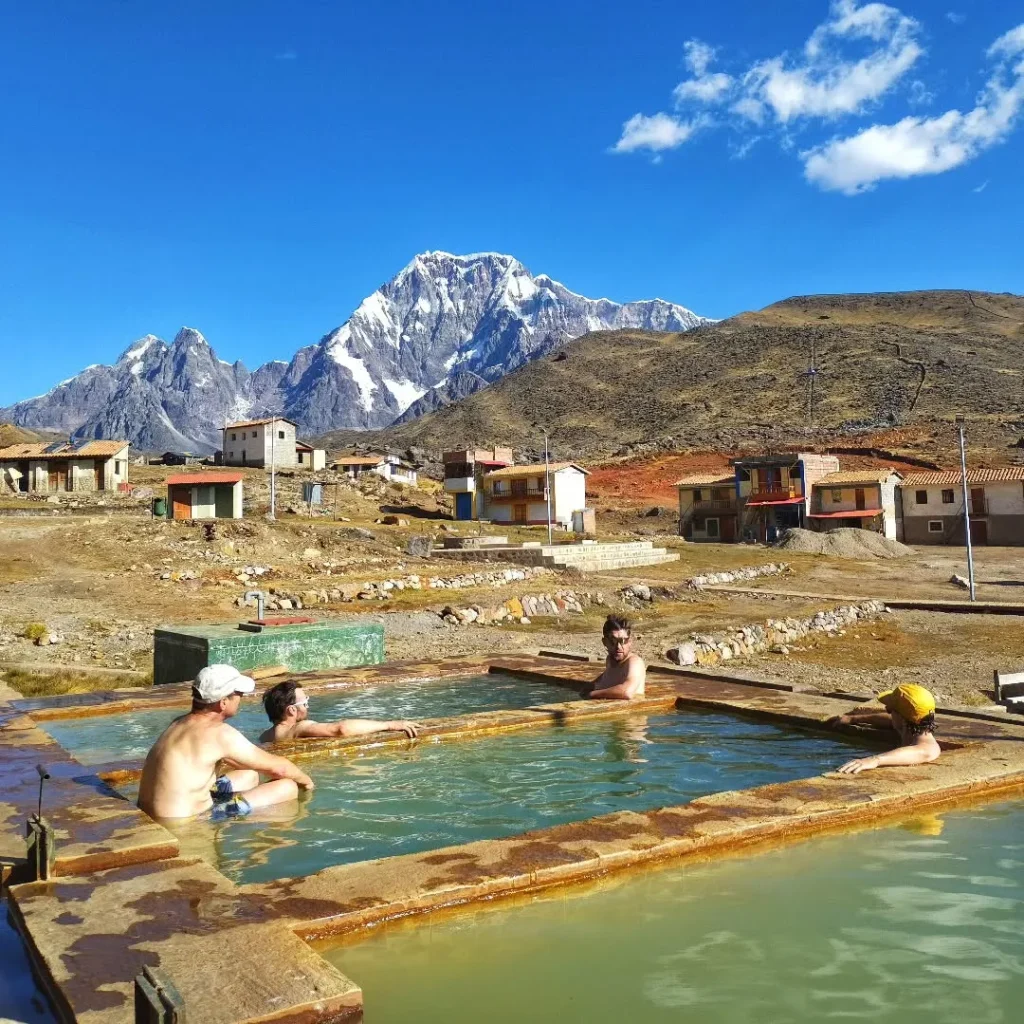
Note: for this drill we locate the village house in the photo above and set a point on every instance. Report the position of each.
(390, 467)
(864, 499)
(74, 465)
(212, 495)
(933, 506)
(308, 457)
(708, 506)
(464, 472)
(260, 442)
(775, 491)
(517, 495)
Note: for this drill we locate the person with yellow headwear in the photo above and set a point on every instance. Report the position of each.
(910, 711)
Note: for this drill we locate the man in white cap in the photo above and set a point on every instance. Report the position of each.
(179, 778)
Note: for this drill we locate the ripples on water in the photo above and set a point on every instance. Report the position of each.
(882, 925)
(428, 795)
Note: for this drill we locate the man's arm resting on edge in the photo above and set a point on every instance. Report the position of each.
(239, 751)
(924, 750)
(863, 716)
(354, 727)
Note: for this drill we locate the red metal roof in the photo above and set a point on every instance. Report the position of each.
(848, 513)
(998, 475)
(796, 500)
(204, 478)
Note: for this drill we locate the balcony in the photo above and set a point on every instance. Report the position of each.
(459, 484)
(716, 505)
(518, 494)
(784, 494)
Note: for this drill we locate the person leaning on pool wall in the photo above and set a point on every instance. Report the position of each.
(910, 711)
(625, 673)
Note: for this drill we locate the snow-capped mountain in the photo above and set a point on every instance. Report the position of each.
(445, 326)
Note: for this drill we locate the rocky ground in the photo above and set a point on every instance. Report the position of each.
(81, 591)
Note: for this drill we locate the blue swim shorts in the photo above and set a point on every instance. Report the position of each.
(226, 802)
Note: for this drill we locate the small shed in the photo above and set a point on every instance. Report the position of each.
(204, 495)
(313, 492)
(309, 457)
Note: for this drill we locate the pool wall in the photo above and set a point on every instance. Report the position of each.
(124, 898)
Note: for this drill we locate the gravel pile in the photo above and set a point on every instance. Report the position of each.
(843, 543)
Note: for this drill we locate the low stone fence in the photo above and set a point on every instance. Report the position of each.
(523, 609)
(736, 575)
(774, 636)
(380, 590)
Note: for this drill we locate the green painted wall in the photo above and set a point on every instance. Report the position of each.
(179, 652)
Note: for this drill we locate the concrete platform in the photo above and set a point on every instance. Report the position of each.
(585, 557)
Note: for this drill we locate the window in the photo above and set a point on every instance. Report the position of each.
(711, 527)
(837, 495)
(231, 455)
(935, 526)
(280, 435)
(921, 497)
(254, 433)
(947, 496)
(233, 438)
(697, 495)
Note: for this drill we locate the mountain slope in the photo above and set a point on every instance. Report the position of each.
(443, 327)
(883, 361)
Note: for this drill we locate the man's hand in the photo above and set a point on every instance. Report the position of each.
(411, 729)
(838, 720)
(303, 781)
(860, 764)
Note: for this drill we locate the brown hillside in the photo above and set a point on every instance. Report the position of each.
(10, 434)
(903, 363)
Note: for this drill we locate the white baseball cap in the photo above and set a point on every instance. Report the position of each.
(215, 682)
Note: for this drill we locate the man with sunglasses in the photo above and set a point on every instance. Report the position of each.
(625, 674)
(287, 707)
(180, 777)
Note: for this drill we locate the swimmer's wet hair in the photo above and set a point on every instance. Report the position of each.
(278, 699)
(614, 623)
(927, 724)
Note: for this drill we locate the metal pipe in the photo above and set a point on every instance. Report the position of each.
(43, 776)
(273, 469)
(547, 484)
(260, 602)
(967, 514)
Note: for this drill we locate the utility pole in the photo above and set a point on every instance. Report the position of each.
(547, 482)
(812, 373)
(273, 467)
(967, 513)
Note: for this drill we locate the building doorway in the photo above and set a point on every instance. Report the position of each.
(60, 477)
(519, 515)
(979, 531)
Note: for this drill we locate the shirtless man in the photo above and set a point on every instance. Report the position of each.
(910, 711)
(287, 707)
(625, 674)
(179, 778)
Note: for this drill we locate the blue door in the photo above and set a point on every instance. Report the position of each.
(464, 505)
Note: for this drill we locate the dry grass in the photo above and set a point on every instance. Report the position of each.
(59, 681)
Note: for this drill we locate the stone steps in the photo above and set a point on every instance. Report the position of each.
(586, 557)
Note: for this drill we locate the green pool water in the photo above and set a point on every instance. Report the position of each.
(909, 925)
(429, 795)
(104, 738)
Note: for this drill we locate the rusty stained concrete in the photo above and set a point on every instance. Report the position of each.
(182, 910)
(92, 935)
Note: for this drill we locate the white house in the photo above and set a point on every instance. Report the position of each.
(864, 499)
(516, 494)
(390, 467)
(259, 442)
(308, 457)
(933, 506)
(80, 465)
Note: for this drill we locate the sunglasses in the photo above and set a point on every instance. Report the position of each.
(301, 703)
(618, 641)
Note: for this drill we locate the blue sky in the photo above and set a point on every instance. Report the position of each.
(255, 169)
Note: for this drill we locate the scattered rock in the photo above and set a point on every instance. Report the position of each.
(419, 547)
(960, 581)
(843, 543)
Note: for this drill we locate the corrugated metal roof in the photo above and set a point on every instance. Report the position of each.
(705, 479)
(513, 471)
(358, 460)
(202, 479)
(855, 476)
(945, 477)
(260, 423)
(76, 450)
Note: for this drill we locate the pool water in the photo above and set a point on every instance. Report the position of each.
(101, 739)
(428, 795)
(920, 924)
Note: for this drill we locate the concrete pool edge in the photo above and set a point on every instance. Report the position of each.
(988, 761)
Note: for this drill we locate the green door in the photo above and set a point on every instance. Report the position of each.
(223, 501)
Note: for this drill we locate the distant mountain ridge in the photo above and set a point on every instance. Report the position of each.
(443, 328)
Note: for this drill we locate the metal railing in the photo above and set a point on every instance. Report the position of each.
(779, 495)
(715, 505)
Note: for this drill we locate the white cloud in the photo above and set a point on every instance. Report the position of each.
(919, 95)
(704, 87)
(698, 56)
(918, 146)
(657, 132)
(286, 55)
(981, 187)
(955, 18)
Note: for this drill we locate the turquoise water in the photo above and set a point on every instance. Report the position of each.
(104, 738)
(428, 795)
(21, 999)
(921, 925)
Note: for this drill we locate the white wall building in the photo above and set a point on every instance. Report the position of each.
(257, 442)
(308, 457)
(864, 499)
(516, 494)
(390, 467)
(80, 465)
